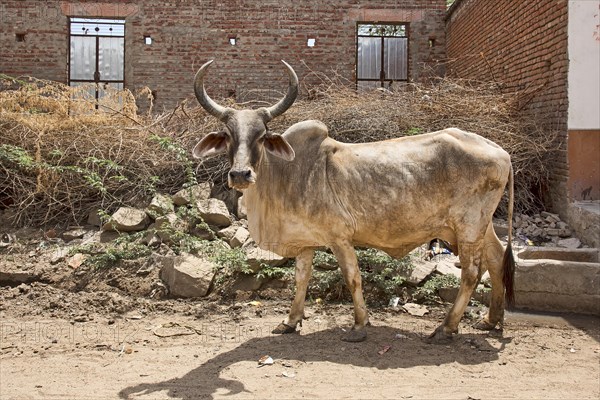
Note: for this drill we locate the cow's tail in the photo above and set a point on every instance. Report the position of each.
(508, 261)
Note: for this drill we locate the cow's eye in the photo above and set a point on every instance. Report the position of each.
(225, 133)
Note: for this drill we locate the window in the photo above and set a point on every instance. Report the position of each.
(97, 54)
(381, 54)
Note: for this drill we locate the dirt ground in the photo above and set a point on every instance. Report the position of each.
(56, 344)
(72, 332)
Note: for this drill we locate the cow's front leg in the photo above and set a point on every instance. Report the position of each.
(303, 272)
(346, 257)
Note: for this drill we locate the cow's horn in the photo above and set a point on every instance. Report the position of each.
(206, 102)
(285, 103)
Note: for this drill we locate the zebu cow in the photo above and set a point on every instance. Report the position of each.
(304, 190)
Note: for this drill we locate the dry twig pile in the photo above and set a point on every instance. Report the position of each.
(60, 157)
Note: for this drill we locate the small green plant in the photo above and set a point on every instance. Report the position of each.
(384, 273)
(17, 155)
(23, 160)
(100, 162)
(327, 284)
(381, 272)
(325, 260)
(150, 184)
(104, 216)
(283, 272)
(232, 259)
(229, 261)
(124, 247)
(429, 290)
(414, 131)
(181, 154)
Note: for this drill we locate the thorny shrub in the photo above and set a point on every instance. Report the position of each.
(63, 154)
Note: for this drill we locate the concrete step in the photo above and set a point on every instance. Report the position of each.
(558, 285)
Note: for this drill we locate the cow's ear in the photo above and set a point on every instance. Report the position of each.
(279, 147)
(212, 144)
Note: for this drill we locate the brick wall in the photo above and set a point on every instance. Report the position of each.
(43, 54)
(522, 44)
(186, 33)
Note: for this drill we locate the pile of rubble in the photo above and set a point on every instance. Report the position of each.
(191, 211)
(198, 213)
(544, 229)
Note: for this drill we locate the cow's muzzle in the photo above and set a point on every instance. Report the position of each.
(241, 179)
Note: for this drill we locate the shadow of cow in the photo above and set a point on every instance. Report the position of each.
(324, 346)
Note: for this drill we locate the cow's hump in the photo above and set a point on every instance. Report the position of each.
(306, 134)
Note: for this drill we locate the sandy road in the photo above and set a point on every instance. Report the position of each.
(216, 357)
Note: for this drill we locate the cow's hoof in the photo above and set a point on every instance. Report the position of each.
(355, 335)
(483, 325)
(283, 328)
(439, 336)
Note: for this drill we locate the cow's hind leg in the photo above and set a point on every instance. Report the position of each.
(470, 259)
(303, 272)
(493, 252)
(346, 257)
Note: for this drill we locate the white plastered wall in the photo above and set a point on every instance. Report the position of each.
(584, 64)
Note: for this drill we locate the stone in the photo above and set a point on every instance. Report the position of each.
(448, 294)
(417, 310)
(127, 219)
(108, 236)
(517, 221)
(14, 278)
(151, 238)
(77, 260)
(203, 232)
(562, 225)
(155, 261)
(552, 217)
(72, 234)
(214, 212)
(192, 194)
(228, 196)
(584, 220)
(256, 257)
(537, 232)
(248, 282)
(571, 243)
(564, 233)
(228, 233)
(94, 218)
(241, 208)
(447, 267)
(60, 254)
(553, 231)
(420, 272)
(168, 225)
(160, 205)
(240, 237)
(187, 275)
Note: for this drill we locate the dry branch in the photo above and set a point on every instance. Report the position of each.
(76, 158)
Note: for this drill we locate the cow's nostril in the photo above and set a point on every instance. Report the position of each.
(243, 174)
